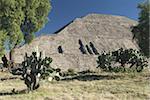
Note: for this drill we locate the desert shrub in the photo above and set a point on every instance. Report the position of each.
(69, 72)
(128, 57)
(34, 68)
(88, 71)
(5, 61)
(104, 61)
(55, 74)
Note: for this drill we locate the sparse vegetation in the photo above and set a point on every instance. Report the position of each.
(35, 67)
(69, 72)
(117, 79)
(141, 31)
(128, 57)
(96, 86)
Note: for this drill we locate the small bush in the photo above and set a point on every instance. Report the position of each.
(87, 72)
(69, 72)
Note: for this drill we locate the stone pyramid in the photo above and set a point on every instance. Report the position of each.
(78, 44)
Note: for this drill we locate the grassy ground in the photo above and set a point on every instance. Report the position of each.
(102, 86)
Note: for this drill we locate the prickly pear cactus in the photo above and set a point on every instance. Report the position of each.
(34, 68)
(127, 57)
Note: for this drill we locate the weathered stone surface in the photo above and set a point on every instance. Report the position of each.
(106, 32)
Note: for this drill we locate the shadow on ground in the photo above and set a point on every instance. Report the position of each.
(9, 78)
(92, 77)
(13, 92)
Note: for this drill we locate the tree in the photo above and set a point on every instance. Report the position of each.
(20, 19)
(141, 31)
(2, 39)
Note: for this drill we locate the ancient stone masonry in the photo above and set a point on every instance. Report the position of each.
(78, 43)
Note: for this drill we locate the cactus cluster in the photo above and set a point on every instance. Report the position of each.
(128, 57)
(34, 68)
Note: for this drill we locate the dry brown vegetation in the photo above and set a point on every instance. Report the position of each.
(98, 86)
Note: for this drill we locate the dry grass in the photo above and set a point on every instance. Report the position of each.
(128, 86)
